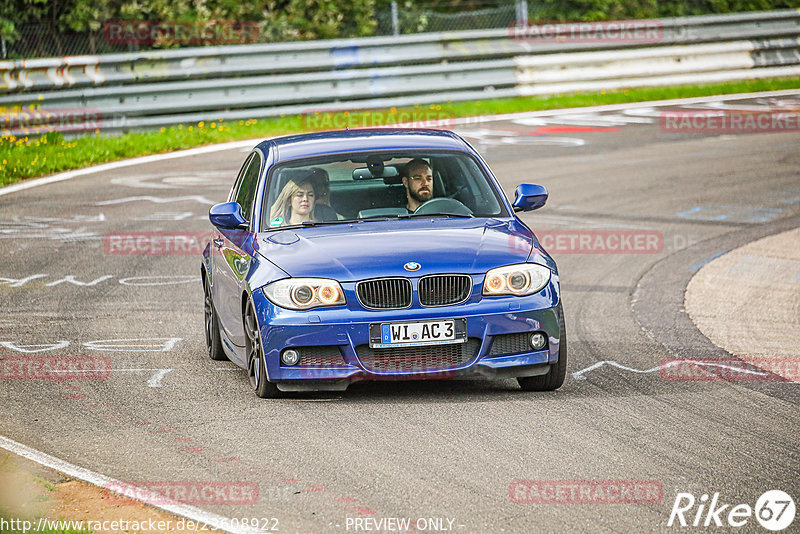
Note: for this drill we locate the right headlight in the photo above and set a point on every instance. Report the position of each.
(519, 280)
(305, 293)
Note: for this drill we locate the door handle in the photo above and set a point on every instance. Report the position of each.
(218, 242)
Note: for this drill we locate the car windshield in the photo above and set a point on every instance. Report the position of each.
(377, 186)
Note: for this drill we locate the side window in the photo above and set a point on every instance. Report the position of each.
(238, 183)
(247, 189)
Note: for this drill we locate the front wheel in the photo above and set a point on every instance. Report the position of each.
(554, 379)
(256, 372)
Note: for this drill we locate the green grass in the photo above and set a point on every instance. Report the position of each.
(29, 157)
(13, 516)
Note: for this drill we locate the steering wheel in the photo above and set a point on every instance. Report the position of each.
(443, 205)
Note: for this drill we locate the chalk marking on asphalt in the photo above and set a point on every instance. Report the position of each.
(104, 370)
(700, 264)
(619, 107)
(29, 349)
(585, 119)
(143, 344)
(158, 344)
(171, 181)
(18, 282)
(43, 222)
(157, 200)
(55, 234)
(138, 281)
(725, 212)
(71, 279)
(167, 216)
(176, 279)
(155, 380)
(579, 375)
(143, 495)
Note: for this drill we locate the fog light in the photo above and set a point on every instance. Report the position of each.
(538, 341)
(290, 357)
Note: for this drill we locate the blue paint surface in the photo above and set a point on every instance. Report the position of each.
(724, 212)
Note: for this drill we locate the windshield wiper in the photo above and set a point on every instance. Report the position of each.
(337, 221)
(307, 224)
(411, 215)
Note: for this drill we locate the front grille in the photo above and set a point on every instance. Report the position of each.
(510, 344)
(418, 359)
(384, 293)
(444, 289)
(320, 356)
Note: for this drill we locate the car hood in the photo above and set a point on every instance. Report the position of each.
(358, 251)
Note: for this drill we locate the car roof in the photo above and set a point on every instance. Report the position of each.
(359, 140)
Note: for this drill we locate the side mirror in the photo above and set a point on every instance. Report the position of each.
(529, 197)
(227, 215)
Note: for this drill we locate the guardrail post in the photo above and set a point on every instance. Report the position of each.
(395, 23)
(522, 11)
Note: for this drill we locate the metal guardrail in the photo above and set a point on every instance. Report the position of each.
(153, 89)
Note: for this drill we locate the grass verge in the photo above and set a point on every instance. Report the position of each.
(24, 498)
(29, 157)
(34, 498)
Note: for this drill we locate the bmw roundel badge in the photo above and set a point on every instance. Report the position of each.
(412, 266)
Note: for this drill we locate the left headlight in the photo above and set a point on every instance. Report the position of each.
(520, 280)
(305, 293)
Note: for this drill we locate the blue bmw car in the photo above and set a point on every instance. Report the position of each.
(387, 254)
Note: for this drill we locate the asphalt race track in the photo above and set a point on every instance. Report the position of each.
(449, 452)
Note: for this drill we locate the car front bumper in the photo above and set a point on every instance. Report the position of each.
(334, 342)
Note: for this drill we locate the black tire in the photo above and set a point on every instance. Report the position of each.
(256, 372)
(554, 379)
(213, 340)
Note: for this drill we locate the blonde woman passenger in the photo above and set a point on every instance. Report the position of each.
(295, 203)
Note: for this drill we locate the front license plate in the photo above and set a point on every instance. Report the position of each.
(418, 333)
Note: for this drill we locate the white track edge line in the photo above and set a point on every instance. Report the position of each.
(27, 184)
(189, 512)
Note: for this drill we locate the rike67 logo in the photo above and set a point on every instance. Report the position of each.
(774, 510)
